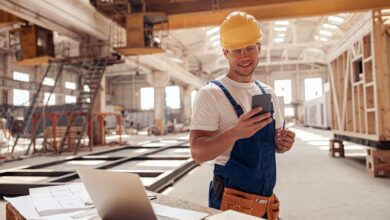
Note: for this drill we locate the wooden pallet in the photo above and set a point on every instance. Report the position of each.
(378, 162)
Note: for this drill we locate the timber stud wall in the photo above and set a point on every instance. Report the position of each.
(360, 86)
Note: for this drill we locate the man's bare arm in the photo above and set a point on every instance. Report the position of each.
(207, 145)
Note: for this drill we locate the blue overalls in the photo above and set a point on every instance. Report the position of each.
(252, 166)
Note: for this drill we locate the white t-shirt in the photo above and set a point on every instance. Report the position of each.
(212, 110)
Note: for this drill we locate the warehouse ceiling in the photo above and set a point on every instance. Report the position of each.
(193, 53)
(285, 42)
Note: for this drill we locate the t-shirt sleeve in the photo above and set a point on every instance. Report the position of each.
(277, 111)
(205, 113)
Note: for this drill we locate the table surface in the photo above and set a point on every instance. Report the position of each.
(13, 214)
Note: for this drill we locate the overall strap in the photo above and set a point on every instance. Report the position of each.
(237, 108)
(261, 87)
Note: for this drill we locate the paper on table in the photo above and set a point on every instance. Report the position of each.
(233, 215)
(26, 208)
(177, 213)
(59, 199)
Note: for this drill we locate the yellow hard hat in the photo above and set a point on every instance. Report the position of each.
(239, 30)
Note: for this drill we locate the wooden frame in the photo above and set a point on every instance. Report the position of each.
(359, 79)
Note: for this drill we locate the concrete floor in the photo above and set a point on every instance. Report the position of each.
(310, 185)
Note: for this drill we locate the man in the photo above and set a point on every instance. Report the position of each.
(225, 129)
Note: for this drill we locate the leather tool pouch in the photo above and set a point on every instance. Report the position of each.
(250, 204)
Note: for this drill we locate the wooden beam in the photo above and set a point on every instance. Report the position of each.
(184, 7)
(382, 70)
(262, 10)
(7, 19)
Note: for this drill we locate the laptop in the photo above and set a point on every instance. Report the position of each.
(117, 196)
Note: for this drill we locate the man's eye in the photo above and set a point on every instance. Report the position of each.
(250, 48)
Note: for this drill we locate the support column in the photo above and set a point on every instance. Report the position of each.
(159, 109)
(99, 106)
(159, 80)
(187, 108)
(100, 102)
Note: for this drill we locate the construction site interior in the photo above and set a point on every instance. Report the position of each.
(111, 85)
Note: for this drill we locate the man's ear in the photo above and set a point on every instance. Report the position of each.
(225, 53)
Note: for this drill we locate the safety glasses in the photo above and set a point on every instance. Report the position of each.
(249, 50)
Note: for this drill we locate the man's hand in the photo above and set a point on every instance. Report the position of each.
(284, 140)
(207, 145)
(248, 125)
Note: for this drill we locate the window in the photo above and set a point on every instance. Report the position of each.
(86, 88)
(48, 81)
(52, 100)
(147, 98)
(21, 76)
(193, 95)
(70, 99)
(70, 85)
(313, 88)
(289, 112)
(283, 88)
(21, 97)
(172, 96)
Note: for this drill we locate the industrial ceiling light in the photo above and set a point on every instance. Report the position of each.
(176, 60)
(216, 37)
(281, 22)
(212, 31)
(385, 18)
(278, 40)
(216, 43)
(281, 35)
(323, 39)
(335, 19)
(215, 40)
(316, 37)
(326, 33)
(329, 26)
(280, 29)
(385, 11)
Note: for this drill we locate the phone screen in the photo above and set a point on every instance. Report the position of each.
(263, 100)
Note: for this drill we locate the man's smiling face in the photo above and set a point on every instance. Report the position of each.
(243, 61)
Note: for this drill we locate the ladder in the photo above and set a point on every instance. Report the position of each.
(82, 111)
(56, 80)
(34, 100)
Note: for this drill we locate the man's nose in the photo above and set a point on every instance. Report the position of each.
(244, 52)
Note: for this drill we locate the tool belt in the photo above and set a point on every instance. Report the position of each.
(251, 204)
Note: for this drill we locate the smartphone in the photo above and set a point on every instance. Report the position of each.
(263, 100)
